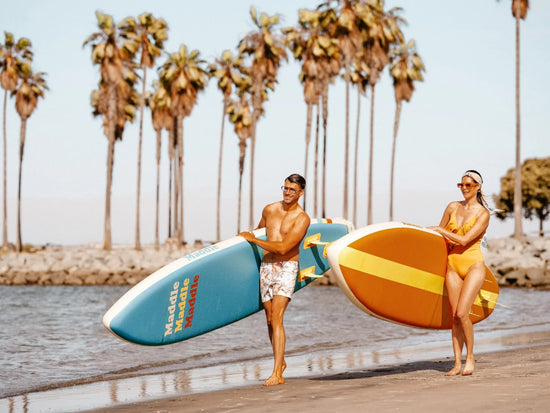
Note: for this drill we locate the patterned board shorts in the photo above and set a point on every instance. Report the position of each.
(277, 278)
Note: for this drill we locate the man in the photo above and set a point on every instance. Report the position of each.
(286, 224)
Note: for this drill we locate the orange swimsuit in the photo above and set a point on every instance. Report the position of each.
(461, 258)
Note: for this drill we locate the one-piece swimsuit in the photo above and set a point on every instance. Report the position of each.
(461, 258)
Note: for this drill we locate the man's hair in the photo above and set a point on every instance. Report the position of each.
(297, 179)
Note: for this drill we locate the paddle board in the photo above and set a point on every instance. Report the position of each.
(396, 272)
(210, 288)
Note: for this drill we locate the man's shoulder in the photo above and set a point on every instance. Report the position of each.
(273, 206)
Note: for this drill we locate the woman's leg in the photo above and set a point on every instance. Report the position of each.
(453, 284)
(472, 284)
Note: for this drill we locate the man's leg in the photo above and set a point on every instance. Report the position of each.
(274, 311)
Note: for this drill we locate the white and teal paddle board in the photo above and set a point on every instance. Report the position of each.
(210, 288)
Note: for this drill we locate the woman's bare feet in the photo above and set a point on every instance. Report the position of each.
(469, 367)
(455, 371)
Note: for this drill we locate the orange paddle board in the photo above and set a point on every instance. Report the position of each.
(396, 272)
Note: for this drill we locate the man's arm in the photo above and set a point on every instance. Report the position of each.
(290, 241)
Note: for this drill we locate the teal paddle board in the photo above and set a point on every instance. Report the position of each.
(210, 288)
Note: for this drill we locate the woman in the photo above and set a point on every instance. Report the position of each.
(463, 225)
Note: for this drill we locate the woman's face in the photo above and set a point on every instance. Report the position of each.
(468, 187)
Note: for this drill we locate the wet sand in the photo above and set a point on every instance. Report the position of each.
(512, 380)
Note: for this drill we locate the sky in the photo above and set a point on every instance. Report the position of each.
(461, 117)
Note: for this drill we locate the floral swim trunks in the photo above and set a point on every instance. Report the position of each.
(277, 278)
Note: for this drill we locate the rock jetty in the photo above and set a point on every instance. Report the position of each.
(514, 263)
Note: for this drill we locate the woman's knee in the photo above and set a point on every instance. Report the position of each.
(461, 317)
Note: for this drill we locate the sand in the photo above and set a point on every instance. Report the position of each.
(506, 381)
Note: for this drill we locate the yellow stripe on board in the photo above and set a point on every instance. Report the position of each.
(403, 274)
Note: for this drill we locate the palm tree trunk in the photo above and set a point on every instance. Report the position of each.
(308, 138)
(399, 104)
(111, 113)
(159, 147)
(220, 157)
(5, 184)
(325, 119)
(518, 225)
(346, 160)
(256, 103)
(371, 150)
(356, 156)
(316, 166)
(138, 189)
(171, 157)
(176, 181)
(239, 203)
(170, 174)
(21, 148)
(181, 238)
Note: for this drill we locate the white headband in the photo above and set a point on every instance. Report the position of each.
(475, 176)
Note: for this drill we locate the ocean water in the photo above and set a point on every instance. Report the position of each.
(55, 354)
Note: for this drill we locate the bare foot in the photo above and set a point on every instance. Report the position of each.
(455, 371)
(469, 367)
(274, 380)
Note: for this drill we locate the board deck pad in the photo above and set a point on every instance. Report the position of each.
(396, 272)
(210, 288)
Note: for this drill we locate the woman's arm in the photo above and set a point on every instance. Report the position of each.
(477, 230)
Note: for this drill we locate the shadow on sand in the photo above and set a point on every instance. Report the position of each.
(440, 366)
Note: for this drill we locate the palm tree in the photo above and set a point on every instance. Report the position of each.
(241, 117)
(267, 52)
(311, 43)
(11, 52)
(382, 30)
(226, 70)
(304, 44)
(331, 65)
(519, 11)
(360, 78)
(115, 66)
(159, 103)
(183, 75)
(406, 67)
(347, 31)
(146, 36)
(32, 87)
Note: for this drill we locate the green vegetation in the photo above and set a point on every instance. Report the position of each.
(535, 196)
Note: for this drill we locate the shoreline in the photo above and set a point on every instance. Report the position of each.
(514, 369)
(514, 263)
(511, 380)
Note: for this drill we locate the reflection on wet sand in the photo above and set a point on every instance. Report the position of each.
(144, 388)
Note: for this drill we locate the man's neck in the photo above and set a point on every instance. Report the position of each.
(290, 207)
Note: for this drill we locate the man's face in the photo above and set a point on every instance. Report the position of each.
(291, 192)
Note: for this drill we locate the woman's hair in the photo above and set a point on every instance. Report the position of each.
(476, 177)
(297, 179)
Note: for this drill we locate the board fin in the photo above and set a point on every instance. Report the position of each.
(308, 273)
(316, 240)
(312, 240)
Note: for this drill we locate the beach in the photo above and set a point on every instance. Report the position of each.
(513, 380)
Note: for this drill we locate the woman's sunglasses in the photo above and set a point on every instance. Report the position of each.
(467, 185)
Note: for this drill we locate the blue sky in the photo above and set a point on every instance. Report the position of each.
(462, 116)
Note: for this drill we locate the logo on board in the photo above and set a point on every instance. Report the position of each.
(181, 305)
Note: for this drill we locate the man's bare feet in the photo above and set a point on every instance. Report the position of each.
(455, 371)
(274, 380)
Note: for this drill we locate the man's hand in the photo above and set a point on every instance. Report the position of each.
(249, 236)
